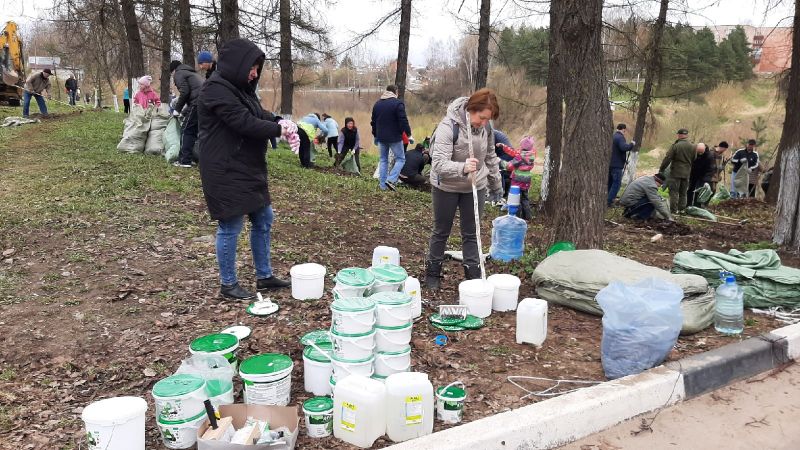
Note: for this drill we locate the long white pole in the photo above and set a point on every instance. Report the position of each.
(475, 200)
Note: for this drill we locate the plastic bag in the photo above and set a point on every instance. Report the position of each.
(134, 135)
(172, 139)
(721, 195)
(217, 372)
(641, 323)
(700, 212)
(349, 164)
(159, 118)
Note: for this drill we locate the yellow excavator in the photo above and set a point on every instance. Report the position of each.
(12, 65)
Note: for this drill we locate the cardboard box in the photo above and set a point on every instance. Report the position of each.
(278, 416)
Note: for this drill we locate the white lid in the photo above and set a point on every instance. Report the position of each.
(114, 411)
(308, 270)
(504, 281)
(476, 287)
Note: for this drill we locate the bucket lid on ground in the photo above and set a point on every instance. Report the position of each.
(214, 343)
(406, 350)
(316, 355)
(178, 385)
(353, 304)
(389, 273)
(504, 281)
(369, 358)
(307, 271)
(452, 393)
(397, 328)
(391, 298)
(266, 364)
(318, 404)
(355, 277)
(316, 337)
(114, 411)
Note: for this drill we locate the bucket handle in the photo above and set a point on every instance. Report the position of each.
(454, 383)
(389, 312)
(399, 369)
(316, 347)
(371, 370)
(357, 345)
(386, 336)
(363, 323)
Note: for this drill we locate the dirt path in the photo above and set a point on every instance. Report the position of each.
(758, 413)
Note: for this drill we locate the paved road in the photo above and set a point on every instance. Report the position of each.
(761, 413)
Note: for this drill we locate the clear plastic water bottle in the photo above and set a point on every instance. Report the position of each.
(508, 233)
(729, 313)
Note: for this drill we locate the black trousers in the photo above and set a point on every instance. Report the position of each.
(305, 148)
(356, 155)
(188, 136)
(127, 104)
(333, 145)
(445, 205)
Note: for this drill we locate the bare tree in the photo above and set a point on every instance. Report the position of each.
(285, 57)
(135, 51)
(402, 48)
(187, 38)
(229, 21)
(167, 9)
(482, 72)
(555, 112)
(787, 221)
(653, 61)
(586, 129)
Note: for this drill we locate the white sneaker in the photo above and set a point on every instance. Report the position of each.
(185, 166)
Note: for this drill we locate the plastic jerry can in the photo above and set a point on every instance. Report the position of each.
(409, 406)
(412, 288)
(359, 410)
(531, 321)
(385, 255)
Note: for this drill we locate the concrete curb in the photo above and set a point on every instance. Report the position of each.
(563, 419)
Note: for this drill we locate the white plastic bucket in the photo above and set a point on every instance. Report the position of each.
(308, 281)
(342, 368)
(317, 369)
(392, 339)
(116, 422)
(218, 344)
(477, 296)
(225, 398)
(267, 379)
(352, 315)
(342, 290)
(388, 278)
(181, 434)
(450, 402)
(353, 346)
(179, 397)
(388, 363)
(385, 255)
(393, 309)
(319, 416)
(385, 286)
(332, 384)
(413, 289)
(353, 282)
(506, 291)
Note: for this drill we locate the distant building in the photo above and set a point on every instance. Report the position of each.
(771, 46)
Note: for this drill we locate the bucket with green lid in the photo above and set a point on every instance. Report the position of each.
(217, 344)
(392, 339)
(352, 315)
(342, 368)
(393, 309)
(317, 368)
(380, 378)
(267, 379)
(450, 402)
(353, 282)
(353, 345)
(319, 416)
(388, 363)
(181, 434)
(179, 397)
(388, 278)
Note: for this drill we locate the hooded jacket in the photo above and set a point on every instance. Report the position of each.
(234, 131)
(188, 82)
(389, 119)
(447, 172)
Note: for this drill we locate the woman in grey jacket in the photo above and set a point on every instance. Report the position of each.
(451, 186)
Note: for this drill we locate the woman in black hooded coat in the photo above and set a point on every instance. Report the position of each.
(234, 131)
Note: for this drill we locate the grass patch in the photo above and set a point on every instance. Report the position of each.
(761, 245)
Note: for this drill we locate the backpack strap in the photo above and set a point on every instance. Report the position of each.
(455, 133)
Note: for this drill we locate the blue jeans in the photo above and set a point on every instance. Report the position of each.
(642, 210)
(228, 235)
(614, 183)
(72, 97)
(399, 161)
(26, 103)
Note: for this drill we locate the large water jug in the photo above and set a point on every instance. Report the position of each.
(729, 313)
(508, 237)
(409, 406)
(412, 288)
(359, 410)
(385, 255)
(531, 321)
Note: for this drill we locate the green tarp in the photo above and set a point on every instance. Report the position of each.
(759, 272)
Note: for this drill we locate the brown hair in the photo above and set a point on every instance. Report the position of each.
(484, 99)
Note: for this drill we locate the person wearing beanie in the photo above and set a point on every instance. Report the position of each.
(642, 201)
(36, 86)
(206, 63)
(520, 169)
(188, 82)
(146, 96)
(679, 158)
(348, 139)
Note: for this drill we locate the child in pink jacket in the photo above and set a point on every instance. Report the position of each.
(146, 96)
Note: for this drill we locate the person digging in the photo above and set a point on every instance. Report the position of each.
(642, 201)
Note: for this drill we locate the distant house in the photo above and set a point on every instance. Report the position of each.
(771, 46)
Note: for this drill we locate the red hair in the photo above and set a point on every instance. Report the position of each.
(484, 99)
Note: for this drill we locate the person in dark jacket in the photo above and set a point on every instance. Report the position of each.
(71, 85)
(234, 131)
(619, 156)
(500, 140)
(188, 82)
(349, 139)
(389, 122)
(702, 171)
(679, 158)
(416, 160)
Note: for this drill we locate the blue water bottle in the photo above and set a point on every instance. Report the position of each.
(508, 232)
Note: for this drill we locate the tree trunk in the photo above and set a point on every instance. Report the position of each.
(482, 72)
(135, 51)
(285, 57)
(187, 38)
(402, 49)
(555, 112)
(166, 45)
(586, 131)
(775, 180)
(787, 221)
(229, 21)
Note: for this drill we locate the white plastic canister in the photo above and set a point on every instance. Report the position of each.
(385, 255)
(308, 281)
(477, 296)
(506, 291)
(532, 321)
(116, 422)
(413, 289)
(409, 406)
(359, 410)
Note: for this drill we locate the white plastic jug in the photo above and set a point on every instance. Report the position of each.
(531, 321)
(359, 410)
(412, 288)
(385, 255)
(409, 406)
(506, 291)
(477, 296)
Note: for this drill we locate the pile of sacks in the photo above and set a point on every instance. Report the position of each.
(573, 279)
(144, 130)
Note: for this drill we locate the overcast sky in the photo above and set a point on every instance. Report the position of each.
(439, 19)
